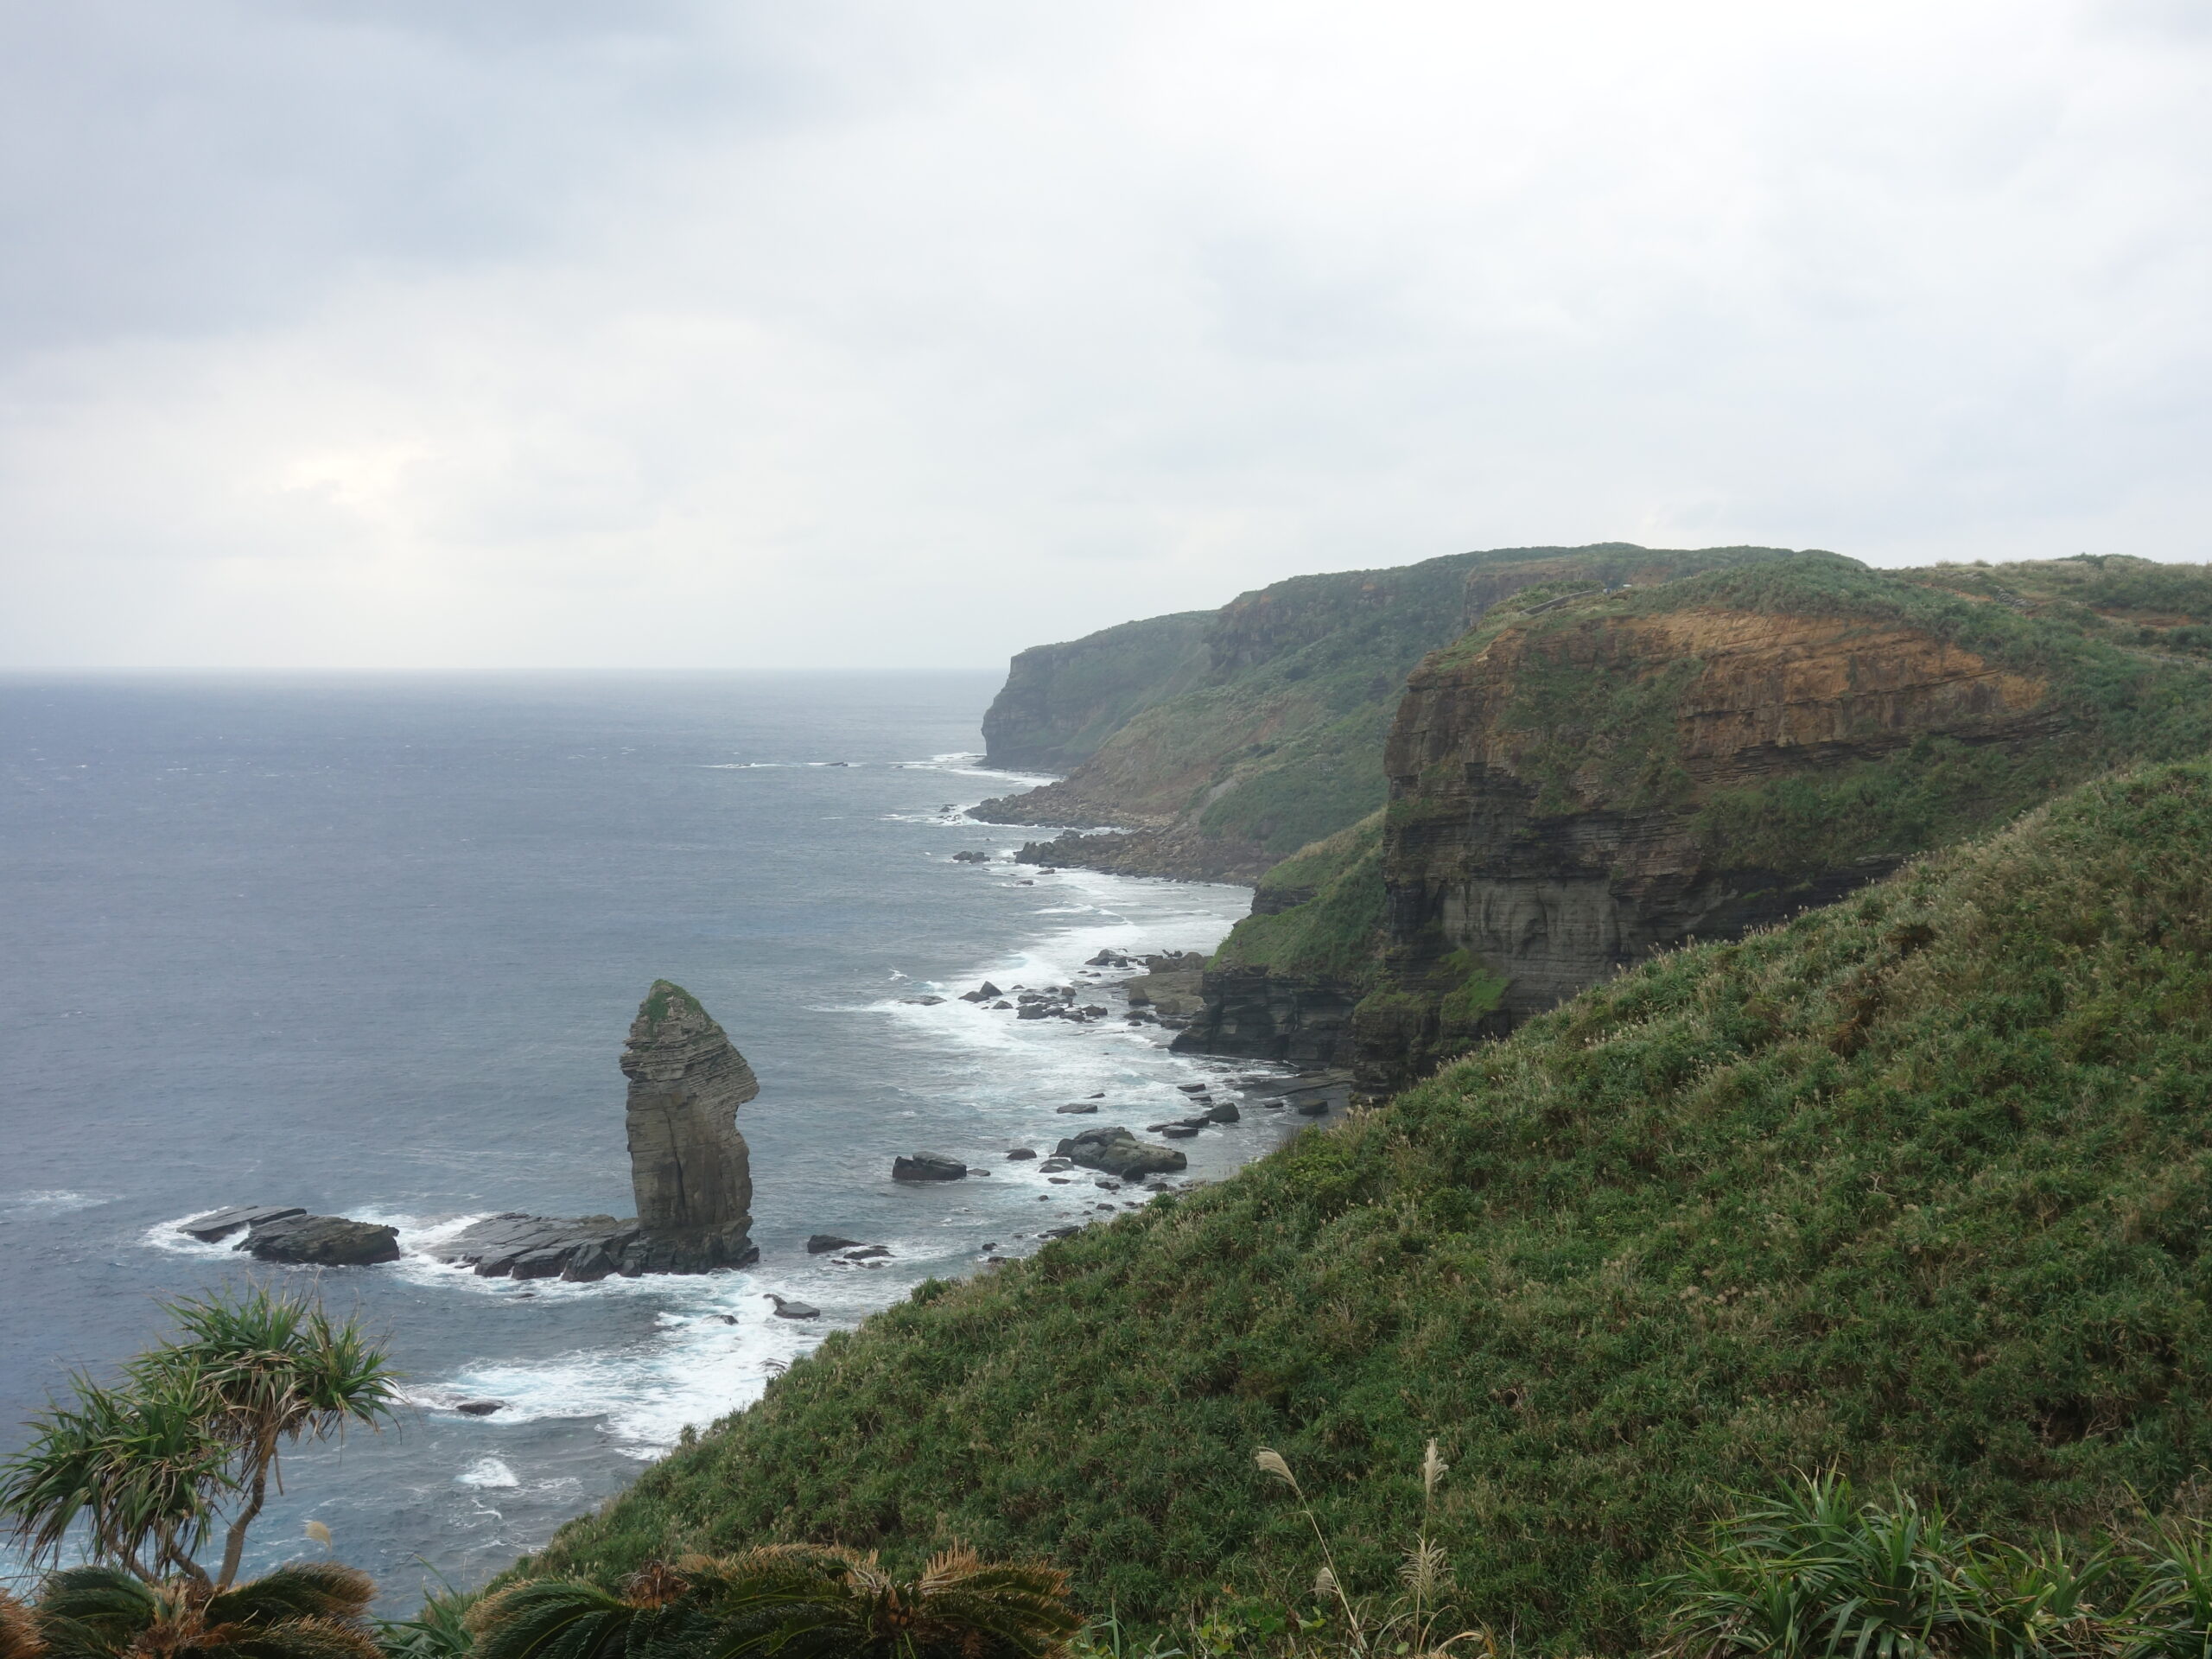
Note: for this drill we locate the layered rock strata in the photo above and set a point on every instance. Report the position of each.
(690, 1169)
(1256, 1013)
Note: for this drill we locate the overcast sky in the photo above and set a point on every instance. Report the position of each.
(642, 332)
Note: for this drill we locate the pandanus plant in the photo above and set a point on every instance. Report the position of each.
(143, 1472)
(793, 1601)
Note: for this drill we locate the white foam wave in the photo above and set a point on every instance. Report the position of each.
(489, 1472)
(51, 1201)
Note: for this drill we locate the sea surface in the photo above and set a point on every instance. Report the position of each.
(371, 945)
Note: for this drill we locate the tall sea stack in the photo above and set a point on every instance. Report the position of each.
(689, 1166)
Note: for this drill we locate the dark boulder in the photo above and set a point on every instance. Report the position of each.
(480, 1407)
(1020, 1154)
(927, 1167)
(322, 1241)
(1224, 1112)
(1077, 1107)
(822, 1243)
(787, 1309)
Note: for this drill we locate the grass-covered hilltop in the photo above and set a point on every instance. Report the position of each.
(1918, 1184)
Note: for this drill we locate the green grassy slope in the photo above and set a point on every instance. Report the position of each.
(1922, 1182)
(1336, 932)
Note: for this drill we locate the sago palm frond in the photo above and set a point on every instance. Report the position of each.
(323, 1590)
(557, 1618)
(95, 1613)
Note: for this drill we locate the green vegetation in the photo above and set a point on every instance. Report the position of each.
(807, 1602)
(1917, 1184)
(1816, 1574)
(141, 1474)
(664, 996)
(1337, 933)
(137, 1477)
(309, 1610)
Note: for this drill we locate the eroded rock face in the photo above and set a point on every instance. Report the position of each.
(1253, 1014)
(1560, 798)
(689, 1166)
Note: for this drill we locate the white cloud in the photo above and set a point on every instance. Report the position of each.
(860, 333)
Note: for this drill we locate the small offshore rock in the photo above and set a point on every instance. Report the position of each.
(223, 1223)
(1077, 1107)
(787, 1309)
(1178, 1132)
(928, 1166)
(969, 858)
(822, 1243)
(1313, 1108)
(727, 1319)
(866, 1253)
(1020, 1154)
(1224, 1112)
(322, 1241)
(921, 1001)
(1060, 1232)
(1116, 1152)
(480, 1407)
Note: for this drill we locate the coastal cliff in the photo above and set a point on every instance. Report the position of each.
(1587, 777)
(1060, 702)
(1275, 740)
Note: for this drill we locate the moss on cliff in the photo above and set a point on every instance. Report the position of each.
(1916, 1184)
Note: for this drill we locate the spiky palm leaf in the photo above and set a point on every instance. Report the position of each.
(806, 1602)
(310, 1611)
(557, 1618)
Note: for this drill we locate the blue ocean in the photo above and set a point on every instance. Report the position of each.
(371, 946)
